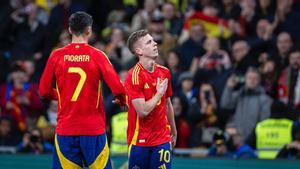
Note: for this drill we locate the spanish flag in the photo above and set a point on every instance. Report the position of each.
(210, 23)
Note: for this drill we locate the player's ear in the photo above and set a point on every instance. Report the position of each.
(138, 51)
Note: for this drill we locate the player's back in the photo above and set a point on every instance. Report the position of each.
(78, 71)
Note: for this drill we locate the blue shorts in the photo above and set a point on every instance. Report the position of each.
(74, 152)
(158, 157)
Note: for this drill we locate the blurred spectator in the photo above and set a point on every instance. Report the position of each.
(242, 58)
(292, 150)
(286, 19)
(165, 41)
(193, 46)
(119, 125)
(58, 21)
(185, 82)
(250, 102)
(20, 98)
(202, 115)
(64, 39)
(271, 134)
(52, 112)
(262, 41)
(289, 85)
(29, 33)
(214, 58)
(30, 69)
(229, 10)
(33, 142)
(173, 63)
(248, 17)
(269, 77)
(183, 128)
(8, 135)
(172, 19)
(219, 148)
(284, 45)
(142, 18)
(50, 118)
(239, 149)
(116, 48)
(265, 8)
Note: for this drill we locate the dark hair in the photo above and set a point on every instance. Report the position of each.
(79, 21)
(135, 36)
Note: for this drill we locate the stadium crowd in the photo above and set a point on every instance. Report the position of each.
(235, 68)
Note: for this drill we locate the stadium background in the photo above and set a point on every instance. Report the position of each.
(210, 46)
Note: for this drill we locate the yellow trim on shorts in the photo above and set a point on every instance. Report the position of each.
(65, 163)
(102, 159)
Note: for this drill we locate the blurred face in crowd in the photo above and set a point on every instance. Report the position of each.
(5, 127)
(264, 3)
(149, 5)
(284, 43)
(177, 106)
(284, 4)
(173, 60)
(19, 77)
(239, 50)
(116, 36)
(295, 60)
(211, 44)
(262, 27)
(29, 67)
(269, 67)
(168, 11)
(210, 10)
(197, 32)
(252, 79)
(250, 4)
(187, 85)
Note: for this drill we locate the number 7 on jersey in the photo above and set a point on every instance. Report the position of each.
(80, 84)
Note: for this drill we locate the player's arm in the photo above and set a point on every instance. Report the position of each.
(142, 107)
(111, 78)
(47, 80)
(171, 120)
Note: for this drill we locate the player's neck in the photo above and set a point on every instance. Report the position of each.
(79, 39)
(147, 64)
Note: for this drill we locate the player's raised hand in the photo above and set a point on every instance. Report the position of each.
(161, 86)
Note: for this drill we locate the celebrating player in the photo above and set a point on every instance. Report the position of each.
(76, 71)
(151, 126)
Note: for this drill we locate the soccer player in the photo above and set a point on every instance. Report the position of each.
(76, 71)
(151, 126)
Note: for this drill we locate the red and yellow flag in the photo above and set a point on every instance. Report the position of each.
(214, 26)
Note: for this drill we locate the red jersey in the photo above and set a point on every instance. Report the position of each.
(153, 129)
(77, 70)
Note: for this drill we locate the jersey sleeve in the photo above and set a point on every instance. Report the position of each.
(133, 86)
(110, 76)
(169, 92)
(47, 80)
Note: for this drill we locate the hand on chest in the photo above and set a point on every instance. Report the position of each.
(150, 83)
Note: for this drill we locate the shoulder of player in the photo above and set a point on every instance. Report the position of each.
(163, 68)
(134, 74)
(98, 52)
